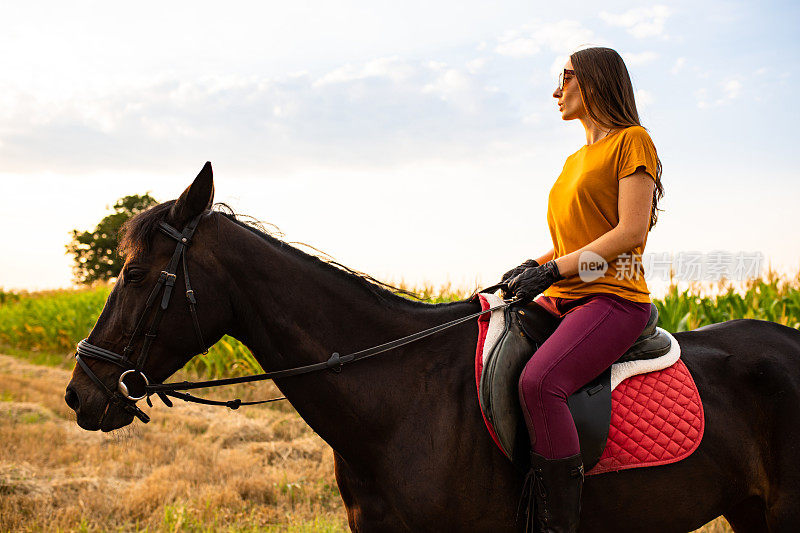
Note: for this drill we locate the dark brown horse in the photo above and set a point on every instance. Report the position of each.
(410, 447)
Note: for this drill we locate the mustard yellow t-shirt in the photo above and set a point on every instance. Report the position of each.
(582, 206)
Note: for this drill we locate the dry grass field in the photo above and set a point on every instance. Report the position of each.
(193, 468)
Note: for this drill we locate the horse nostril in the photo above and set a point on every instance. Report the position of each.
(71, 397)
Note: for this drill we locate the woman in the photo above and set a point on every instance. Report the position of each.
(600, 210)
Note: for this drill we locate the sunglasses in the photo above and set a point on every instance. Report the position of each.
(562, 78)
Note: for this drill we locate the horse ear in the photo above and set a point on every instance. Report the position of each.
(197, 198)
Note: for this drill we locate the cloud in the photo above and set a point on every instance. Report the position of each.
(476, 65)
(560, 37)
(385, 109)
(642, 58)
(385, 67)
(701, 97)
(515, 45)
(455, 87)
(731, 89)
(644, 98)
(641, 22)
(727, 91)
(532, 118)
(678, 65)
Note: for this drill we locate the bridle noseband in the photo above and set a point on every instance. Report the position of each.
(123, 397)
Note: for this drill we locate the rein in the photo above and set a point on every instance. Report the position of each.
(335, 363)
(122, 396)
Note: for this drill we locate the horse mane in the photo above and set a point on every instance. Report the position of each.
(136, 236)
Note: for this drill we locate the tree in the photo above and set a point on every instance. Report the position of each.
(95, 252)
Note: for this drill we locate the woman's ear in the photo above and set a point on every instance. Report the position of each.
(196, 199)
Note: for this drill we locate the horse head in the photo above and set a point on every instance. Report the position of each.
(146, 330)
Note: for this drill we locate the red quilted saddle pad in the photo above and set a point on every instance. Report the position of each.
(656, 419)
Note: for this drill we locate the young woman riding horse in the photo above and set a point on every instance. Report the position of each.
(600, 210)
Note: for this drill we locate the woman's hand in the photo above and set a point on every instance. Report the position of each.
(533, 280)
(518, 270)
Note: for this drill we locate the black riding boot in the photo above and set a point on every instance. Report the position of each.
(555, 502)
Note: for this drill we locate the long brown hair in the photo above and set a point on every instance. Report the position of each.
(607, 94)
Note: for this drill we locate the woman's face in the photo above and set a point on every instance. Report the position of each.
(569, 99)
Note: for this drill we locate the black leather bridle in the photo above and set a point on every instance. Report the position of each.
(123, 397)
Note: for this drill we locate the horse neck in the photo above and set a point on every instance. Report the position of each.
(293, 310)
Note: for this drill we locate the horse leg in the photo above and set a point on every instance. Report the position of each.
(748, 516)
(367, 511)
(783, 515)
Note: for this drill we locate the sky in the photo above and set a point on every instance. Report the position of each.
(415, 141)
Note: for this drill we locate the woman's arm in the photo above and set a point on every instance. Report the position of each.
(634, 204)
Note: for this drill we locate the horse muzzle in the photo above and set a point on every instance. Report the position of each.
(95, 412)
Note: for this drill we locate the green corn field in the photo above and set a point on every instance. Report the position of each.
(46, 326)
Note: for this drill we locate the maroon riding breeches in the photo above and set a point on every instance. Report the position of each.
(594, 332)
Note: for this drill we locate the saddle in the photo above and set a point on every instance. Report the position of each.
(526, 328)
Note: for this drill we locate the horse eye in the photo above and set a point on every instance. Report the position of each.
(134, 275)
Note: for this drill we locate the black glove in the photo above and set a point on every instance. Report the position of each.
(518, 270)
(532, 281)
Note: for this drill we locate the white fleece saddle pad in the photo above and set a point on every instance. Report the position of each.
(619, 371)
